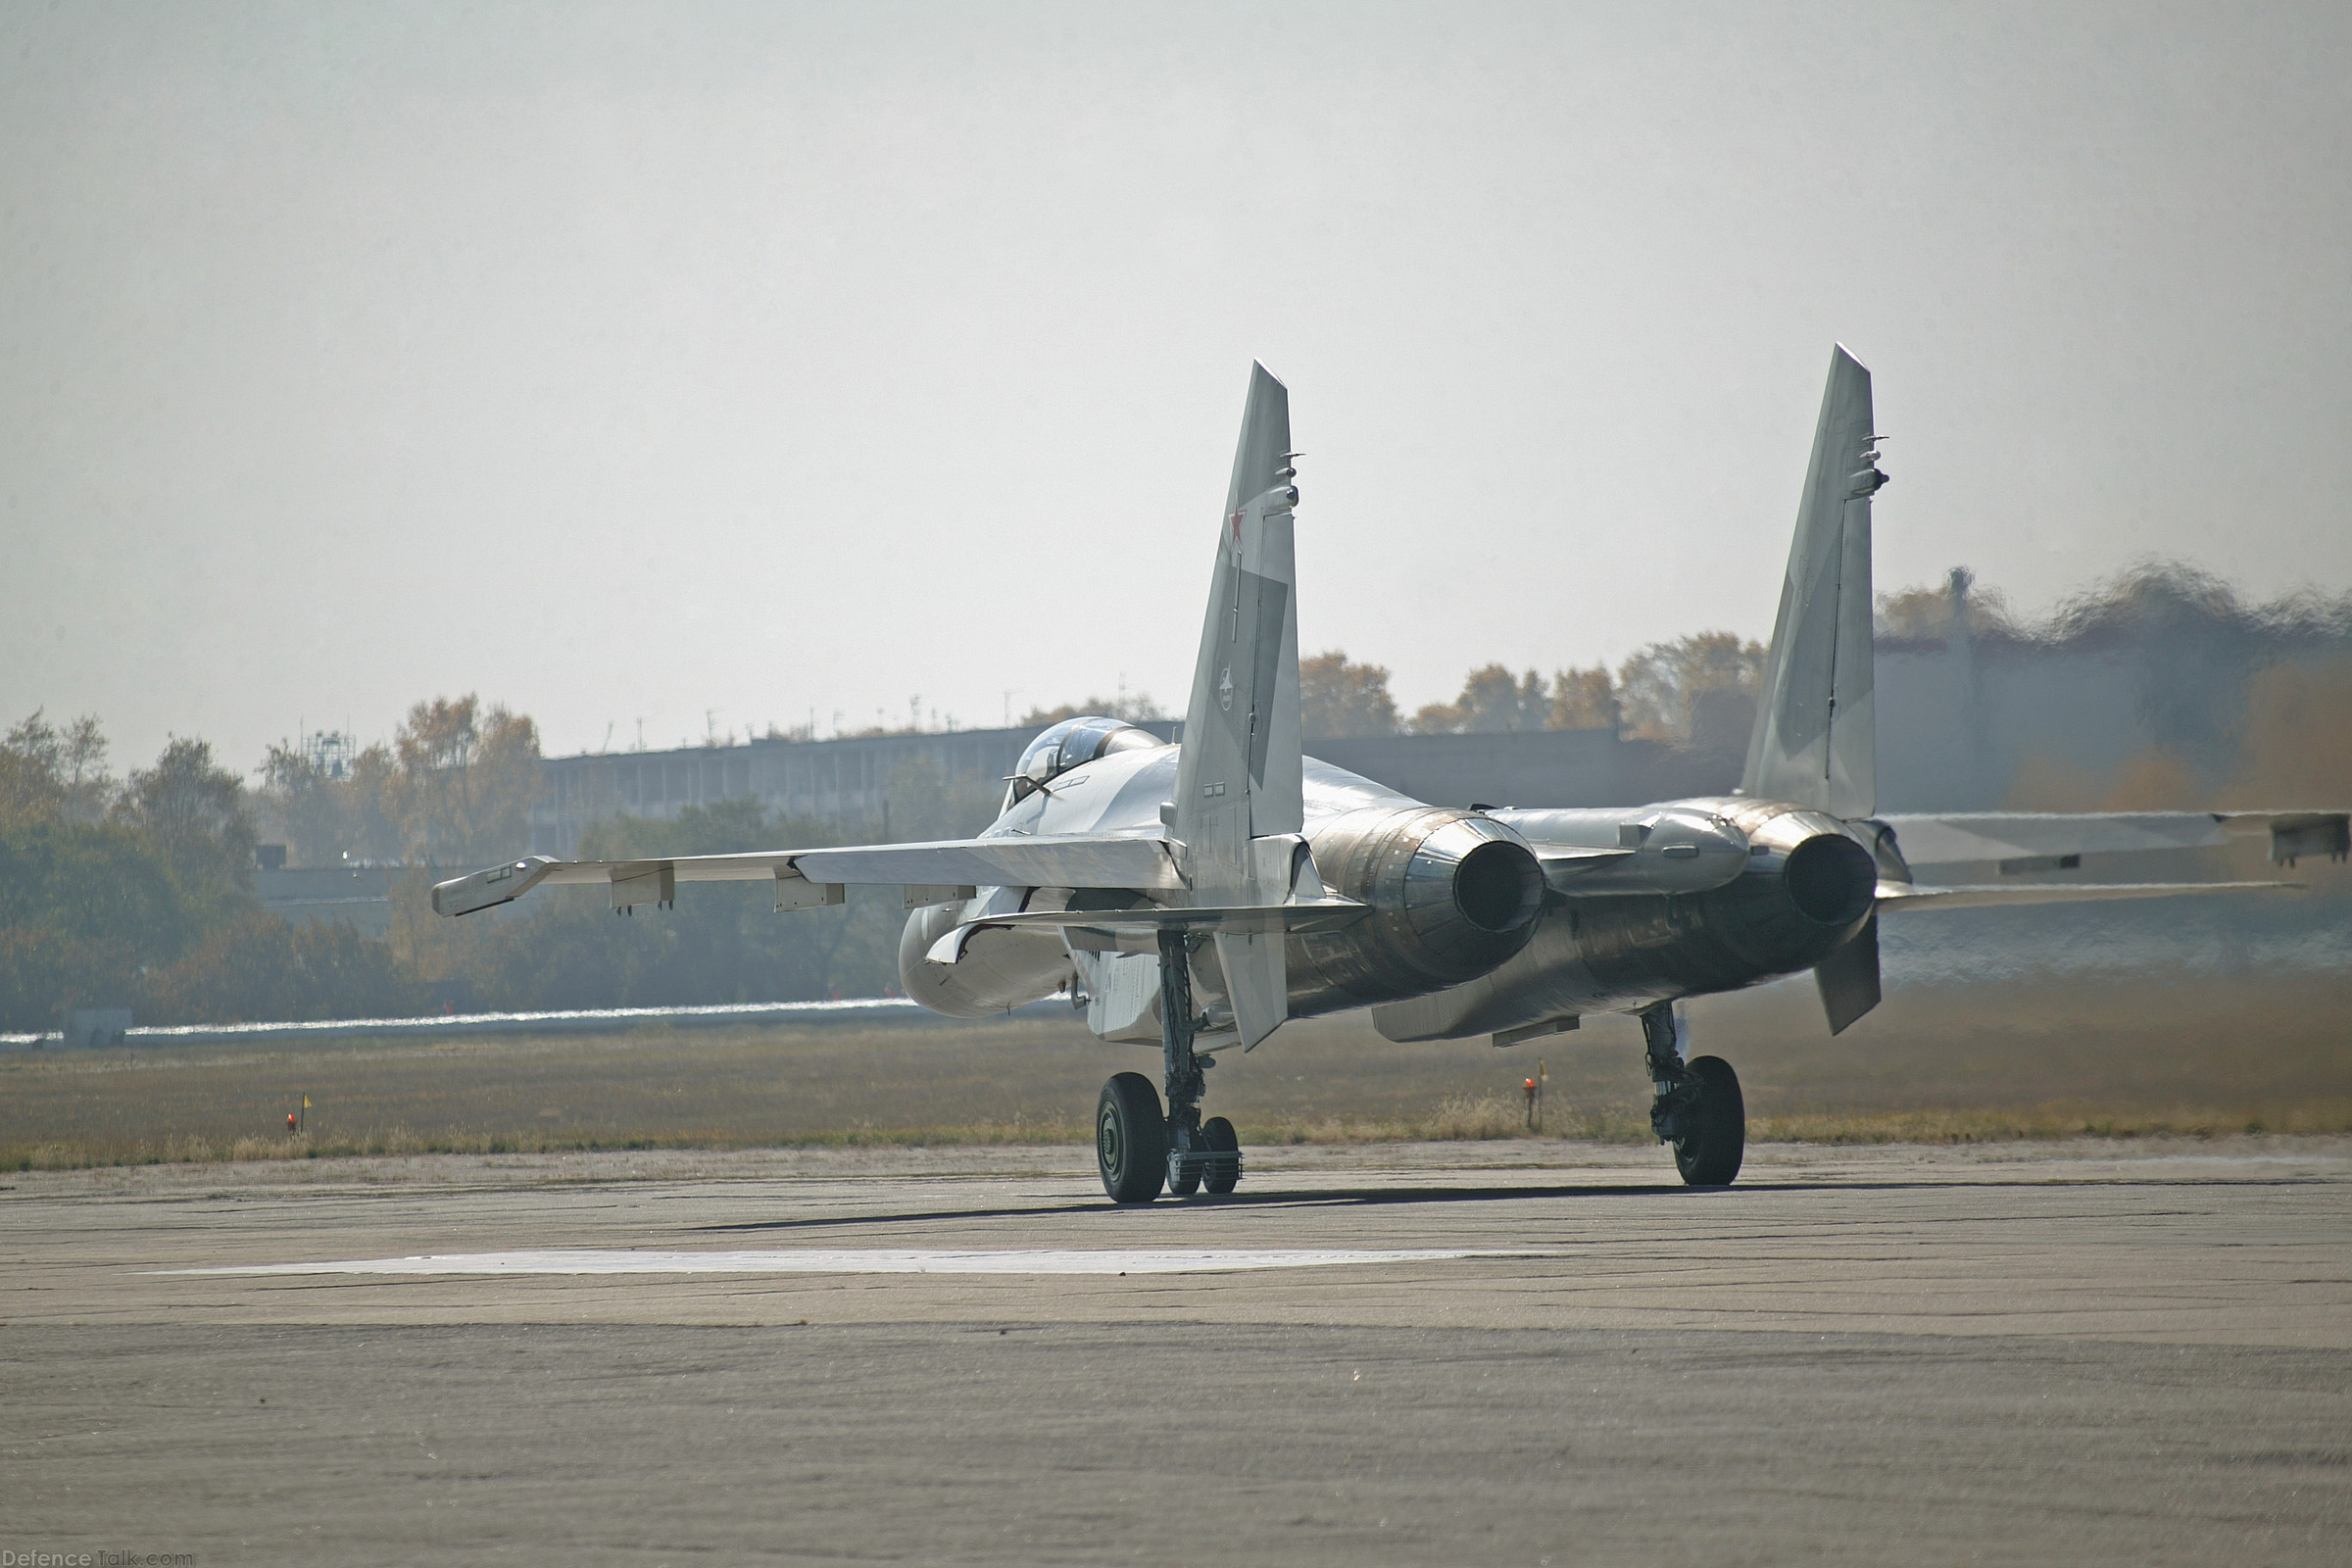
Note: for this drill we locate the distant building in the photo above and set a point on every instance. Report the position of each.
(359, 895)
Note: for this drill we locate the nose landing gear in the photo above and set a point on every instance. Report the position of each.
(1698, 1108)
(1136, 1149)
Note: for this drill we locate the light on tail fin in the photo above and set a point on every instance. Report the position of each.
(1238, 777)
(1815, 740)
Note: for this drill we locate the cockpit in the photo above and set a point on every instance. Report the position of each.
(1061, 747)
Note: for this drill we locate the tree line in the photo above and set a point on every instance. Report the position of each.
(1662, 693)
(138, 893)
(455, 787)
(141, 892)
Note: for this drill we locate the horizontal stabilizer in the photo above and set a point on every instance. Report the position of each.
(1906, 895)
(2040, 837)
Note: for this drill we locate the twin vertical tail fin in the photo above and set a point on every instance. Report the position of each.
(1816, 737)
(1238, 780)
(1815, 740)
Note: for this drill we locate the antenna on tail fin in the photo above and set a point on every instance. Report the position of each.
(1816, 738)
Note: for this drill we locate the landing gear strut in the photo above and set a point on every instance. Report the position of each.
(1134, 1147)
(1698, 1108)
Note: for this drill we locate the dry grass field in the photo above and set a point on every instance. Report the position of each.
(1935, 1063)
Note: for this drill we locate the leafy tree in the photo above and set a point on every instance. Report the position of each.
(1662, 688)
(1493, 701)
(306, 805)
(88, 898)
(196, 814)
(55, 774)
(464, 781)
(1926, 614)
(252, 966)
(723, 941)
(138, 894)
(1136, 707)
(368, 797)
(923, 803)
(324, 819)
(1583, 699)
(85, 909)
(1340, 698)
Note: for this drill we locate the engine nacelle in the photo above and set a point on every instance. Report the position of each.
(1451, 894)
(1000, 968)
(1807, 885)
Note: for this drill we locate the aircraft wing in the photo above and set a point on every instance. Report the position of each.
(1894, 896)
(1305, 914)
(2045, 841)
(810, 879)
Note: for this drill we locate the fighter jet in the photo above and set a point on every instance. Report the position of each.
(1198, 895)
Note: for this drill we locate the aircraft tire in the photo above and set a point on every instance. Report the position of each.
(1220, 1136)
(1131, 1139)
(1710, 1154)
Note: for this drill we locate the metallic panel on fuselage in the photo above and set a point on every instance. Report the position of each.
(1679, 846)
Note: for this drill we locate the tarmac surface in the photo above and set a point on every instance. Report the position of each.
(1517, 1352)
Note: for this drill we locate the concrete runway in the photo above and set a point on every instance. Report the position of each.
(2081, 1353)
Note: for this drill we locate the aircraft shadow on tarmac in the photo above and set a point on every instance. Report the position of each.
(1399, 1196)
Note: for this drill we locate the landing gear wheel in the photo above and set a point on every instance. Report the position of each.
(1186, 1183)
(1715, 1137)
(1217, 1133)
(1131, 1139)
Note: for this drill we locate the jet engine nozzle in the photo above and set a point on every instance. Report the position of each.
(1466, 870)
(1808, 884)
(1831, 879)
(1452, 895)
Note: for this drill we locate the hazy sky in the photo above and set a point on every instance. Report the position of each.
(629, 363)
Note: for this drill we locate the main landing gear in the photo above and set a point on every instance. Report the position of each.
(1699, 1109)
(1136, 1147)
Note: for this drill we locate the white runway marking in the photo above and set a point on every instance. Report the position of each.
(856, 1260)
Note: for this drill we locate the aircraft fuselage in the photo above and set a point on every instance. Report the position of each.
(1460, 939)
